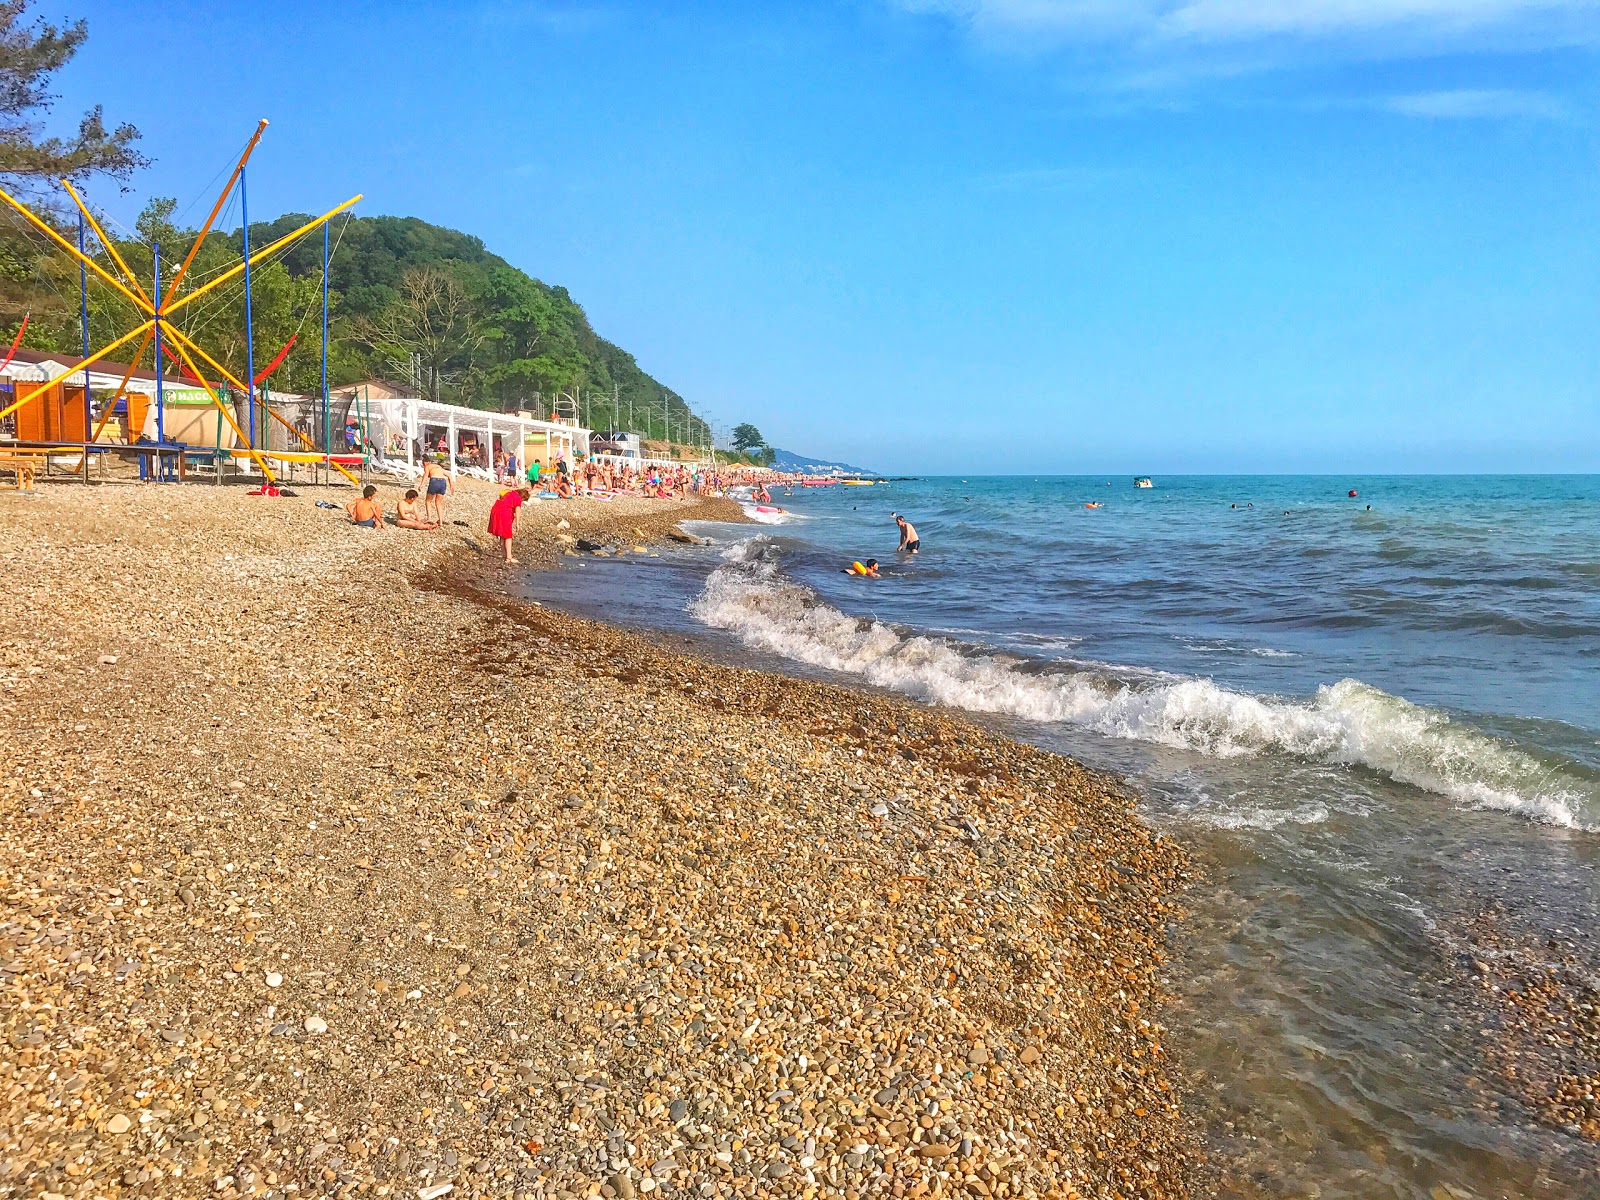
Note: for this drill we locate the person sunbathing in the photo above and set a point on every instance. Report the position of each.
(409, 513)
(366, 509)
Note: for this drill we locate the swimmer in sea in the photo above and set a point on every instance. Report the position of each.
(910, 543)
(866, 570)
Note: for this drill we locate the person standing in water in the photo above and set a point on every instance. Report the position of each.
(910, 543)
(503, 518)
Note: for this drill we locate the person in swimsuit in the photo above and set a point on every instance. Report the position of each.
(867, 570)
(437, 483)
(409, 513)
(366, 509)
(909, 541)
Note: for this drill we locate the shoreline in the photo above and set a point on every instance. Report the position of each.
(368, 878)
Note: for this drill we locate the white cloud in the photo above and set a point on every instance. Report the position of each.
(1317, 18)
(1169, 21)
(1468, 104)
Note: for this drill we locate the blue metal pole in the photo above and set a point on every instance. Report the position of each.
(83, 312)
(327, 434)
(249, 328)
(161, 420)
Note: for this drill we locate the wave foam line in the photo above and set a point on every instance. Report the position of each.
(1347, 723)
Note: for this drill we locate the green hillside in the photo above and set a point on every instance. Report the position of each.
(413, 303)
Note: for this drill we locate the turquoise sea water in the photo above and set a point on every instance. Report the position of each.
(1375, 721)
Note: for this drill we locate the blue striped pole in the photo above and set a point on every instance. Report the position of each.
(161, 421)
(327, 434)
(83, 312)
(249, 328)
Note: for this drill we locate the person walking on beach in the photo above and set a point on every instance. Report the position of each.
(503, 517)
(910, 543)
(436, 484)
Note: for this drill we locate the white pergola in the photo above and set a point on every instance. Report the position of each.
(408, 415)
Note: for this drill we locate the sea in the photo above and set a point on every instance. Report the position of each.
(1367, 706)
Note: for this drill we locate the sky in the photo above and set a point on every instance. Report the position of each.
(964, 236)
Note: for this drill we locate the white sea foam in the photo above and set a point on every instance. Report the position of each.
(765, 518)
(1260, 817)
(1348, 723)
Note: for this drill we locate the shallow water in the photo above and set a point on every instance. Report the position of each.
(1371, 725)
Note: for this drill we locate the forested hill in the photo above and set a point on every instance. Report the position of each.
(421, 303)
(424, 307)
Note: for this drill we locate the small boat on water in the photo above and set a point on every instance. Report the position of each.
(1143, 481)
(858, 482)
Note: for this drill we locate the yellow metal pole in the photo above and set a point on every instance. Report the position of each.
(104, 240)
(73, 250)
(172, 288)
(173, 334)
(177, 342)
(93, 358)
(168, 310)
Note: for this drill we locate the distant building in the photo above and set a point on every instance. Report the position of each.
(372, 389)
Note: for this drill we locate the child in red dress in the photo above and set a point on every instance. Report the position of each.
(503, 517)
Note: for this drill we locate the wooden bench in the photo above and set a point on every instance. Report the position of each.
(23, 467)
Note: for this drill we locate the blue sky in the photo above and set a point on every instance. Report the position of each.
(970, 235)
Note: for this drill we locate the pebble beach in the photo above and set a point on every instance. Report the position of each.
(328, 867)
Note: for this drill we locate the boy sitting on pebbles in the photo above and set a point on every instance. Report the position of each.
(366, 510)
(409, 513)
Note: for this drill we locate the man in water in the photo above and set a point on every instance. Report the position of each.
(909, 541)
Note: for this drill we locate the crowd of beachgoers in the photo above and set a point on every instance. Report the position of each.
(423, 507)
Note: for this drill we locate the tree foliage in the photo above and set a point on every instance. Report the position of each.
(31, 52)
(747, 437)
(411, 303)
(425, 329)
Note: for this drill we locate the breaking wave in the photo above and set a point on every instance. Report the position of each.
(1347, 723)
